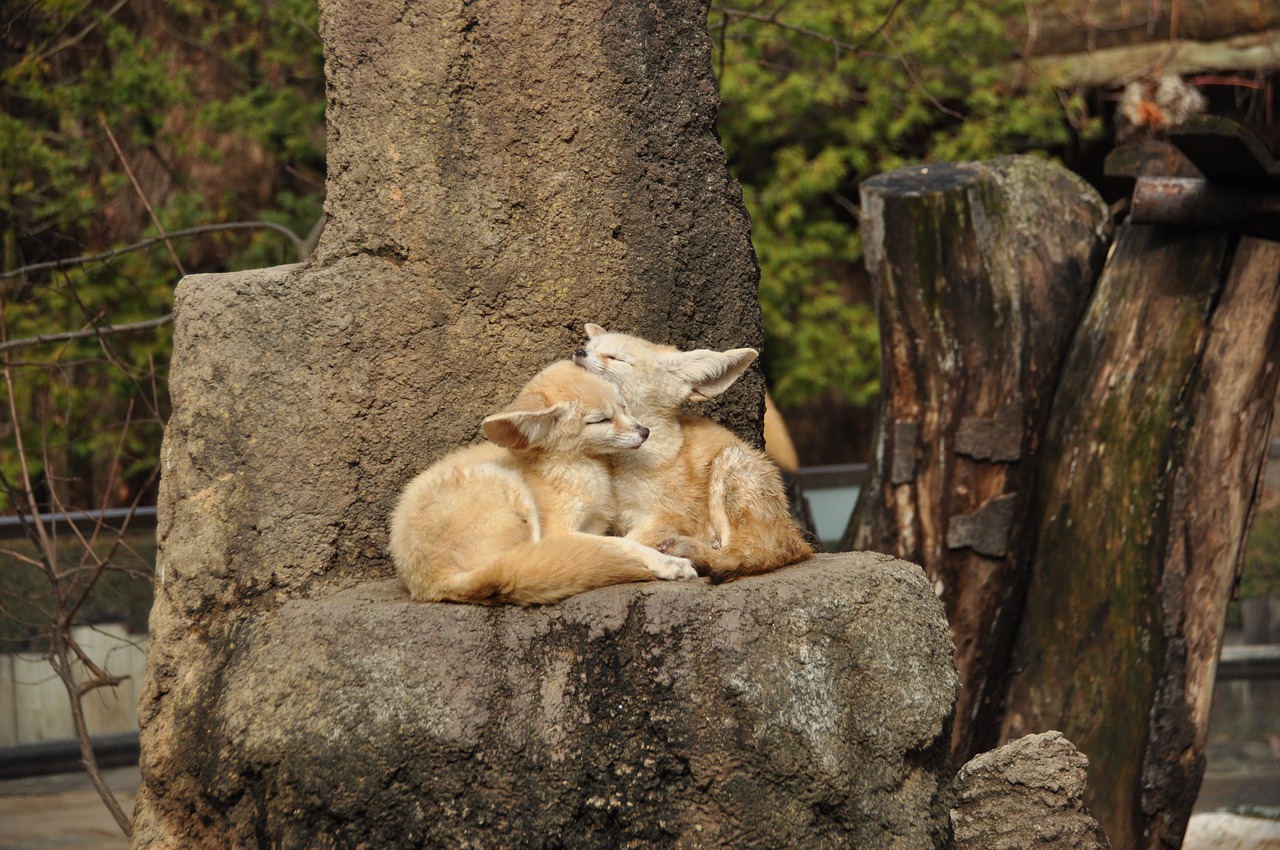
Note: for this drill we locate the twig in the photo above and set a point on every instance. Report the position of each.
(888, 16)
(105, 330)
(39, 532)
(72, 41)
(60, 657)
(919, 84)
(772, 19)
(137, 187)
(296, 240)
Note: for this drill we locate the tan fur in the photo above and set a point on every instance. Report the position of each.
(694, 489)
(517, 519)
(777, 438)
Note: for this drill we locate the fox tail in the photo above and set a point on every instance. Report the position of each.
(547, 570)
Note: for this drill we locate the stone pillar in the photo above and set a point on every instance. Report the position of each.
(499, 174)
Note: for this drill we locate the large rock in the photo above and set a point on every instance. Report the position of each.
(808, 708)
(1027, 794)
(499, 173)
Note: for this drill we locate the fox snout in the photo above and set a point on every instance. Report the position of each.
(643, 432)
(580, 357)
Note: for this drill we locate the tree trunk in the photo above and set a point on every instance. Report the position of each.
(1153, 453)
(981, 272)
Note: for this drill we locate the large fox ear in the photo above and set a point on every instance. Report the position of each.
(594, 331)
(709, 373)
(519, 426)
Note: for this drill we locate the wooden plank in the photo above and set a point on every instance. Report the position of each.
(1116, 66)
(8, 703)
(1207, 511)
(1079, 26)
(1248, 662)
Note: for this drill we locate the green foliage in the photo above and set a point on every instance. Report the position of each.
(826, 94)
(218, 110)
(1260, 575)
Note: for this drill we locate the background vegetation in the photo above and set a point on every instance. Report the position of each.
(125, 121)
(122, 121)
(819, 95)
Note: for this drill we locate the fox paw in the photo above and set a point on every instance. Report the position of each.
(671, 568)
(680, 547)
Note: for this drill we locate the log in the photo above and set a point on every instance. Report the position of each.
(1116, 66)
(981, 272)
(1154, 450)
(1082, 26)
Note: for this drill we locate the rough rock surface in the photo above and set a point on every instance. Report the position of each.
(499, 174)
(1226, 831)
(808, 708)
(1028, 793)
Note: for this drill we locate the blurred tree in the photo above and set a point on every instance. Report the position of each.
(123, 120)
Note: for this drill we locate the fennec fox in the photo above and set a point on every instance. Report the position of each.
(694, 489)
(518, 519)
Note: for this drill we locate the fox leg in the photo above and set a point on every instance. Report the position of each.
(554, 568)
(748, 510)
(661, 564)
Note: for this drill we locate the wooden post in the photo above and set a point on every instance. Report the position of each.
(981, 273)
(1153, 453)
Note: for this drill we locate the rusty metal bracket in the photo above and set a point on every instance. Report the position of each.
(997, 438)
(903, 468)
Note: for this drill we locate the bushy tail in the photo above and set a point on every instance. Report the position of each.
(749, 508)
(546, 571)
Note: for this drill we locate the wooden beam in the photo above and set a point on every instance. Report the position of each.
(1116, 66)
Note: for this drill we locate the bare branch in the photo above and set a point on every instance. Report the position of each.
(297, 242)
(60, 658)
(104, 330)
(72, 41)
(37, 524)
(771, 18)
(137, 187)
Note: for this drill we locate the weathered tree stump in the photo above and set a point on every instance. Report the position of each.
(981, 271)
(1155, 448)
(1100, 538)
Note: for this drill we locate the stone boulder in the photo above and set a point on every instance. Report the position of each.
(1027, 794)
(499, 174)
(808, 708)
